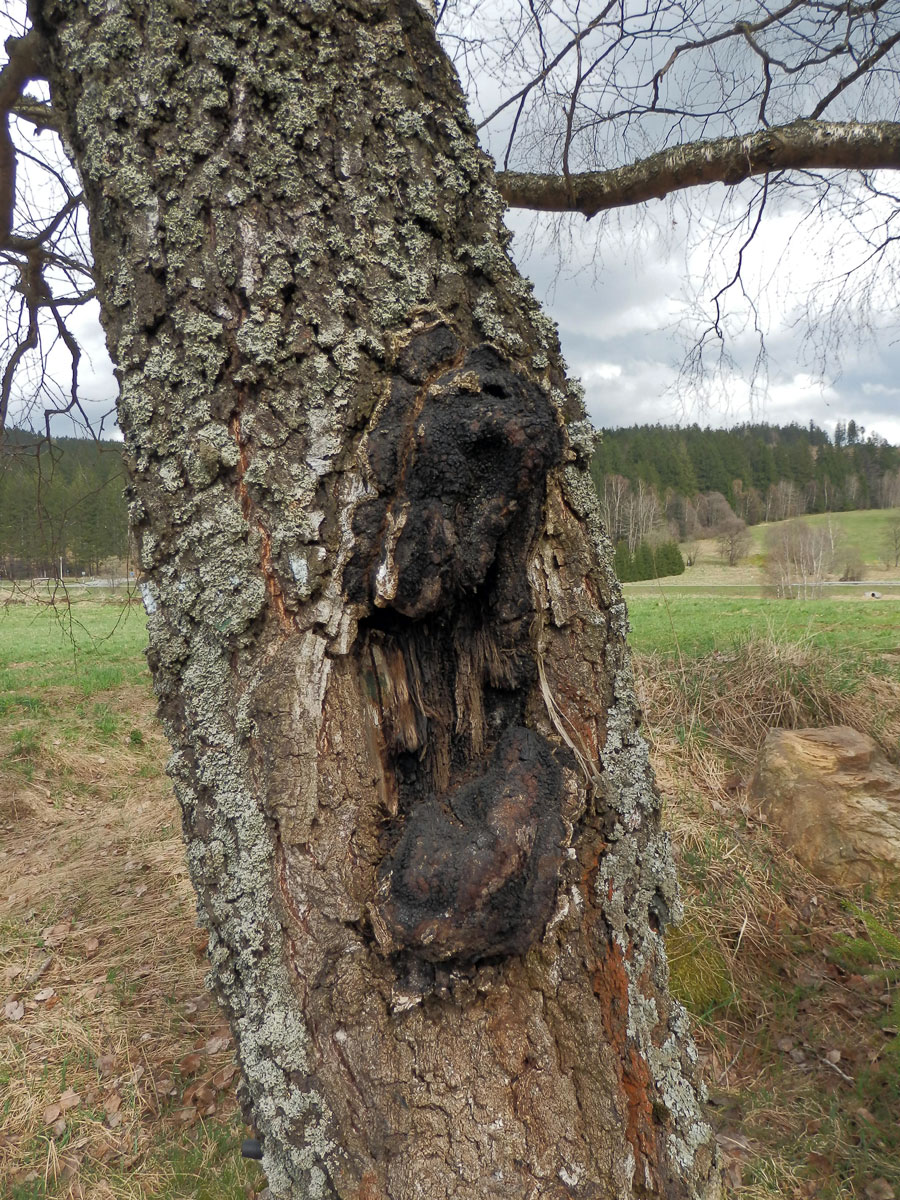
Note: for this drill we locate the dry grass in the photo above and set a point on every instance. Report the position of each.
(727, 700)
(804, 1079)
(116, 1073)
(116, 1079)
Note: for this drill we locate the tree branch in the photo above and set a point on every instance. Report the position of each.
(23, 65)
(802, 145)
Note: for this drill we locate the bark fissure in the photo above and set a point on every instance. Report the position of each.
(371, 554)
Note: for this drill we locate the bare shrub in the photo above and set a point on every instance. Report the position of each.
(799, 557)
(733, 540)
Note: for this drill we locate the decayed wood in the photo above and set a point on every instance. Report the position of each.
(385, 633)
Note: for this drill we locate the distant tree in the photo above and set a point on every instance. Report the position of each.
(668, 560)
(623, 562)
(733, 540)
(614, 495)
(892, 543)
(644, 564)
(799, 557)
(713, 511)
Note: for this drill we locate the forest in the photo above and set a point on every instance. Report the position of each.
(667, 481)
(62, 508)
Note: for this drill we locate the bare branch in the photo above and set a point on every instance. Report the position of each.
(802, 145)
(36, 113)
(23, 65)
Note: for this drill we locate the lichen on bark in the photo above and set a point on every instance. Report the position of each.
(384, 626)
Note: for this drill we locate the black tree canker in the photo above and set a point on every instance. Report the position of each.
(474, 874)
(462, 446)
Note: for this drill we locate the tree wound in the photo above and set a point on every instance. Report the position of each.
(462, 446)
(475, 872)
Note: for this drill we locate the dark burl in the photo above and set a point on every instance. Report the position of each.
(474, 874)
(462, 446)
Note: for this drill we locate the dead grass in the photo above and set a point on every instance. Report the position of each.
(116, 1077)
(727, 700)
(116, 1072)
(795, 1036)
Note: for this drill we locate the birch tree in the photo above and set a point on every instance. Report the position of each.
(386, 638)
(384, 631)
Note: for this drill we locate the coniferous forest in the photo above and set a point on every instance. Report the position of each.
(62, 506)
(662, 482)
(62, 510)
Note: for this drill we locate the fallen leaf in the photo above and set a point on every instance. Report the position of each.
(106, 1063)
(199, 1093)
(190, 1063)
(217, 1043)
(223, 1078)
(51, 1113)
(14, 1010)
(70, 1166)
(44, 994)
(833, 1056)
(821, 1162)
(55, 935)
(59, 1127)
(114, 1120)
(69, 1099)
(735, 1174)
(112, 1104)
(91, 946)
(786, 1045)
(140, 891)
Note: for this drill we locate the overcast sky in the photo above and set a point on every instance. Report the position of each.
(630, 296)
(629, 310)
(623, 297)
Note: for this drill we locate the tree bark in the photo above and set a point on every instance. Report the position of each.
(804, 145)
(386, 638)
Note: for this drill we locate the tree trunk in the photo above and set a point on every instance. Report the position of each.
(385, 634)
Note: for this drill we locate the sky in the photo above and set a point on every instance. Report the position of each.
(624, 298)
(629, 301)
(630, 294)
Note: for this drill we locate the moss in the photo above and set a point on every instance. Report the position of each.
(698, 973)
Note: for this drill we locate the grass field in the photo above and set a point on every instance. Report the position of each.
(694, 624)
(116, 1072)
(865, 530)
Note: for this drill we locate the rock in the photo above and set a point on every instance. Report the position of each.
(837, 799)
